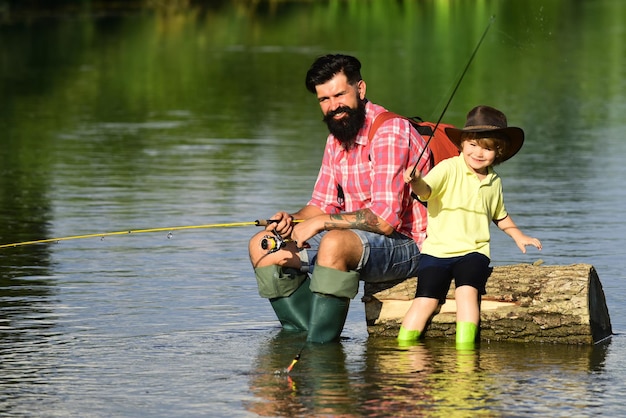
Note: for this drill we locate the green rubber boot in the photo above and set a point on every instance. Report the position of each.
(466, 333)
(332, 290)
(408, 337)
(328, 316)
(293, 311)
(289, 294)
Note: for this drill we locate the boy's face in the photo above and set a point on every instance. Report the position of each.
(479, 154)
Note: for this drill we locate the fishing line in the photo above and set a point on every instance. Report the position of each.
(261, 222)
(453, 93)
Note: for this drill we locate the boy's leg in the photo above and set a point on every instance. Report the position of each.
(466, 333)
(467, 316)
(434, 278)
(416, 318)
(471, 274)
(467, 308)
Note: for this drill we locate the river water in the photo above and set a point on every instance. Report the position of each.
(160, 117)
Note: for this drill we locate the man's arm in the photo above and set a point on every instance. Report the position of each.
(363, 219)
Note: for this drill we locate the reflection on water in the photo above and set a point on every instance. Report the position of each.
(193, 116)
(318, 384)
(432, 378)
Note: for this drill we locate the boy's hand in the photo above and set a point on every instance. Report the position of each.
(409, 177)
(525, 240)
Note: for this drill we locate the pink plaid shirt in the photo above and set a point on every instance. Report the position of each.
(370, 175)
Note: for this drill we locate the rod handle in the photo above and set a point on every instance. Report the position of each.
(266, 222)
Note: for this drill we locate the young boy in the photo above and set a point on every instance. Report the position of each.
(464, 195)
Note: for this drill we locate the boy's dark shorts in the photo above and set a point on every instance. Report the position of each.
(434, 274)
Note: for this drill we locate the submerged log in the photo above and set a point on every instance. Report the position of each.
(524, 303)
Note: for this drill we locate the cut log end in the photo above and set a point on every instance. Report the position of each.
(525, 303)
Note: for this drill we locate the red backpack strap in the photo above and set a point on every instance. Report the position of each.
(381, 118)
(440, 145)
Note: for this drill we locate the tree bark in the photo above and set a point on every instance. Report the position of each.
(524, 303)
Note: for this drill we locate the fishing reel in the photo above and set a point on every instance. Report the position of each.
(272, 243)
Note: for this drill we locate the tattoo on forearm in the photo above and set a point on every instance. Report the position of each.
(362, 219)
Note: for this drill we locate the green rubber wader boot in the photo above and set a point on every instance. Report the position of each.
(328, 316)
(289, 294)
(293, 311)
(332, 290)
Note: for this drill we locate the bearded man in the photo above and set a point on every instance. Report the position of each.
(361, 222)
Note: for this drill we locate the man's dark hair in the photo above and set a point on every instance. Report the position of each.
(324, 68)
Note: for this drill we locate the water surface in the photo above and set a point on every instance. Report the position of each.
(161, 118)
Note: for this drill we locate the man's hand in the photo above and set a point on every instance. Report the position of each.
(282, 224)
(306, 229)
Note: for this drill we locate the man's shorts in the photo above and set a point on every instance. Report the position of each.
(435, 274)
(384, 257)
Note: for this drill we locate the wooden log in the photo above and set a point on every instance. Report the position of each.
(524, 303)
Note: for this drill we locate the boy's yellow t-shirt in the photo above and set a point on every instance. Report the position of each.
(460, 209)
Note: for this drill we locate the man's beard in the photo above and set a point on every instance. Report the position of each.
(346, 128)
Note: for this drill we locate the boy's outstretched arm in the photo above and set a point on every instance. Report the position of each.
(418, 185)
(521, 239)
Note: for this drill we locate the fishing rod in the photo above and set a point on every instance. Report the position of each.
(273, 243)
(453, 92)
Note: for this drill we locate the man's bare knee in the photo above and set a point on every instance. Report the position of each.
(340, 249)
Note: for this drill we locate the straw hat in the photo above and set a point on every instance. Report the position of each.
(487, 120)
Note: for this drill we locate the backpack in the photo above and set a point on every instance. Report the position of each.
(440, 145)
